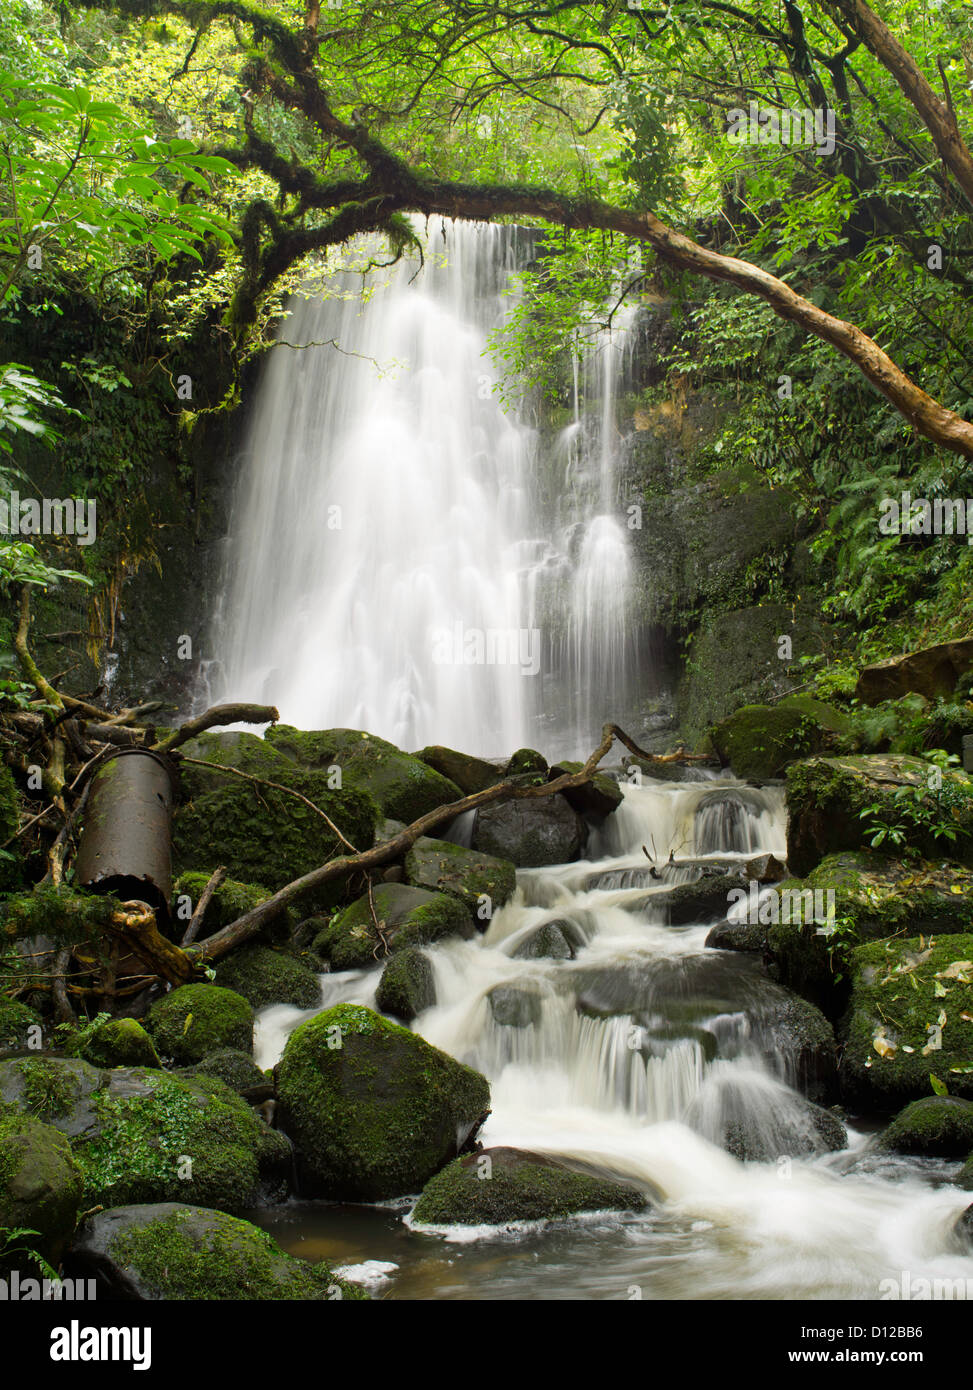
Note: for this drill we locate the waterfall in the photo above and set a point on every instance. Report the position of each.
(390, 560)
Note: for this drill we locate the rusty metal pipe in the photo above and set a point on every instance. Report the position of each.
(126, 846)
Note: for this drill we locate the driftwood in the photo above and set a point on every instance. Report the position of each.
(219, 714)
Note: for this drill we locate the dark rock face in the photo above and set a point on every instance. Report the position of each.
(496, 1186)
(596, 799)
(932, 671)
(167, 1250)
(468, 773)
(373, 1110)
(550, 941)
(530, 833)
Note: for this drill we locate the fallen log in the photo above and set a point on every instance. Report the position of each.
(218, 715)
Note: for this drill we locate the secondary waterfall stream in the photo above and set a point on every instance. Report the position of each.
(640, 1058)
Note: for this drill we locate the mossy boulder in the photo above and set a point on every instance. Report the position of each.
(403, 787)
(934, 1127)
(11, 873)
(874, 896)
(237, 1070)
(550, 941)
(826, 799)
(468, 773)
(261, 835)
(121, 1042)
(172, 1251)
(531, 832)
(526, 762)
(373, 1109)
(803, 1132)
(596, 799)
(905, 1021)
(194, 1020)
(230, 901)
(759, 741)
(407, 986)
(409, 917)
(497, 1186)
(466, 874)
(40, 1186)
(141, 1135)
(264, 976)
(16, 1022)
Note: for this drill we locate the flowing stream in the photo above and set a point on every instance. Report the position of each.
(641, 1058)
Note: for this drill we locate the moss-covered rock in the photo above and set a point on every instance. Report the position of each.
(230, 901)
(400, 785)
(497, 1186)
(264, 976)
(235, 1069)
(263, 836)
(11, 873)
(759, 741)
(466, 874)
(407, 986)
(16, 1022)
(802, 1132)
(826, 799)
(935, 1127)
(408, 917)
(121, 1042)
(373, 1109)
(515, 1006)
(530, 833)
(526, 762)
(194, 1020)
(964, 1178)
(469, 774)
(874, 896)
(169, 1250)
(908, 995)
(596, 799)
(141, 1135)
(550, 941)
(40, 1185)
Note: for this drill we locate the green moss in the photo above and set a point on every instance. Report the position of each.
(758, 741)
(403, 787)
(194, 1020)
(40, 1185)
(462, 873)
(526, 761)
(935, 1127)
(907, 995)
(10, 869)
(495, 1187)
(407, 986)
(234, 1069)
(373, 1109)
(411, 917)
(121, 1042)
(263, 976)
(467, 773)
(63, 914)
(16, 1021)
(188, 1254)
(49, 1090)
(262, 835)
(230, 901)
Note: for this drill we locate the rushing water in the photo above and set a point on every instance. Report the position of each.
(642, 1057)
(393, 564)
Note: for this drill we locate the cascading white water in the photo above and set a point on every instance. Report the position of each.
(646, 1056)
(385, 515)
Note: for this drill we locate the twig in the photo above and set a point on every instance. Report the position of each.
(196, 921)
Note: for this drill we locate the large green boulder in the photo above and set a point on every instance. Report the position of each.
(759, 741)
(40, 1186)
(193, 1020)
(907, 1021)
(264, 976)
(934, 1127)
(468, 773)
(874, 896)
(407, 986)
(171, 1251)
(531, 832)
(373, 1109)
(260, 834)
(407, 917)
(467, 874)
(497, 1186)
(836, 804)
(121, 1042)
(141, 1135)
(399, 784)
